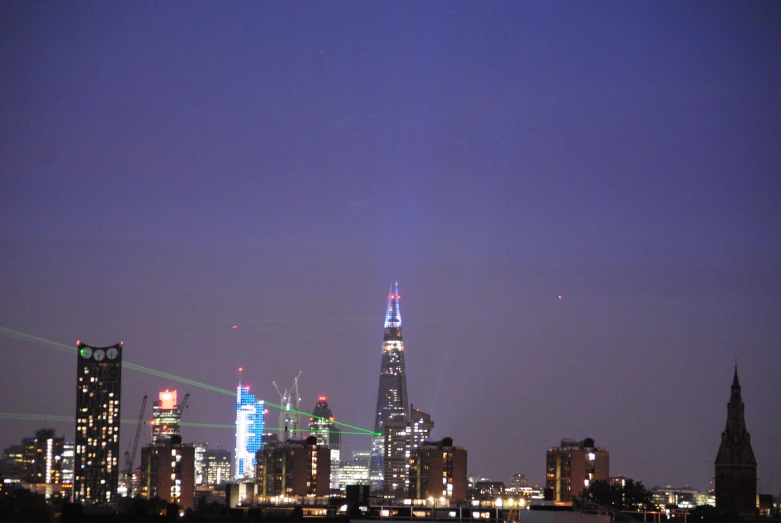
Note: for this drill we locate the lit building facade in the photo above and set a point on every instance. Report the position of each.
(67, 462)
(43, 457)
(571, 467)
(166, 417)
(96, 452)
(168, 472)
(216, 466)
(392, 401)
(736, 466)
(12, 464)
(400, 438)
(200, 449)
(295, 468)
(354, 472)
(322, 427)
(437, 469)
(249, 432)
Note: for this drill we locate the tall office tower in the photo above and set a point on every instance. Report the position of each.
(573, 466)
(392, 403)
(401, 437)
(43, 457)
(216, 466)
(166, 417)
(12, 464)
(67, 462)
(96, 458)
(321, 426)
(736, 466)
(200, 449)
(249, 431)
(438, 470)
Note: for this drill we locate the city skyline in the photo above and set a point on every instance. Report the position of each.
(580, 203)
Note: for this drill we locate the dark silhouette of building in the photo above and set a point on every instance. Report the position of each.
(294, 468)
(571, 467)
(736, 466)
(96, 453)
(392, 402)
(438, 470)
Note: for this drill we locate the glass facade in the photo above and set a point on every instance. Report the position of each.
(392, 402)
(249, 432)
(166, 417)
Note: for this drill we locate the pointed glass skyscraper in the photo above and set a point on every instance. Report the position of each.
(392, 402)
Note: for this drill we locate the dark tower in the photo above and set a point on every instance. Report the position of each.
(96, 452)
(736, 466)
(392, 403)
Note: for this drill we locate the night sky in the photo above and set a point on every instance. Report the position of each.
(172, 169)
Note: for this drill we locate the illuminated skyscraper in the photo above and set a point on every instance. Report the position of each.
(166, 417)
(321, 426)
(249, 432)
(96, 456)
(392, 403)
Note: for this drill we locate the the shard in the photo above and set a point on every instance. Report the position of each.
(392, 401)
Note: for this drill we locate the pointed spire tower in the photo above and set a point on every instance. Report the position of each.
(392, 402)
(736, 466)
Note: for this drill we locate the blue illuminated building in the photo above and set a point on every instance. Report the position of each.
(249, 432)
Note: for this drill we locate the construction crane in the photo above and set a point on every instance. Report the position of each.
(130, 458)
(183, 404)
(289, 418)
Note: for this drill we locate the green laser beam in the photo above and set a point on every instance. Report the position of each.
(23, 416)
(161, 374)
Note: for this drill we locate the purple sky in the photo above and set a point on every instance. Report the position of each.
(170, 169)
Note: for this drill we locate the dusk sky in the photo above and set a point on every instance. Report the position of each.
(170, 169)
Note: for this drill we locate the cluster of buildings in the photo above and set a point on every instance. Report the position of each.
(291, 464)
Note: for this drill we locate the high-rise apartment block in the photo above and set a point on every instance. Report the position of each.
(96, 453)
(571, 467)
(249, 432)
(168, 472)
(437, 469)
(295, 468)
(392, 401)
(166, 417)
(736, 466)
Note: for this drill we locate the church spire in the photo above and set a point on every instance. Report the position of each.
(736, 466)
